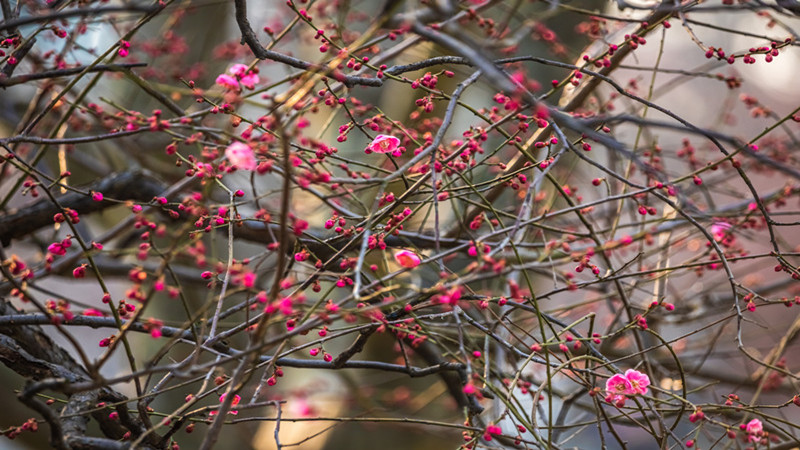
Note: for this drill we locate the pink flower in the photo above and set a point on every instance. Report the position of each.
(407, 259)
(718, 230)
(638, 381)
(300, 407)
(228, 82)
(383, 144)
(238, 70)
(754, 427)
(241, 155)
(236, 400)
(238, 73)
(248, 280)
(618, 385)
(754, 430)
(249, 81)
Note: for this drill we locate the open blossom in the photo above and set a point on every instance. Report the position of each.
(619, 386)
(638, 380)
(407, 259)
(383, 144)
(234, 402)
(241, 155)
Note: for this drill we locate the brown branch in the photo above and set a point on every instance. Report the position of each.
(28, 350)
(131, 185)
(356, 347)
(19, 54)
(249, 38)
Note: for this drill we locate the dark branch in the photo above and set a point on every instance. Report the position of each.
(131, 185)
(20, 79)
(84, 12)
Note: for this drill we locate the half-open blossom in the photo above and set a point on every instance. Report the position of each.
(248, 78)
(238, 70)
(407, 259)
(383, 144)
(249, 81)
(638, 381)
(754, 430)
(238, 73)
(228, 82)
(241, 155)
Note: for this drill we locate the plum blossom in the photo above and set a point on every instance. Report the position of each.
(638, 380)
(228, 82)
(384, 144)
(718, 230)
(754, 430)
(241, 155)
(249, 81)
(619, 386)
(238, 73)
(238, 70)
(234, 402)
(407, 259)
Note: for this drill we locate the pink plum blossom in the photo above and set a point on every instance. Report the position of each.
(236, 400)
(238, 70)
(619, 386)
(238, 73)
(383, 144)
(638, 381)
(718, 230)
(407, 259)
(754, 430)
(228, 82)
(241, 155)
(249, 81)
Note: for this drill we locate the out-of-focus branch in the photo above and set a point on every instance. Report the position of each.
(58, 73)
(19, 54)
(81, 12)
(249, 38)
(131, 185)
